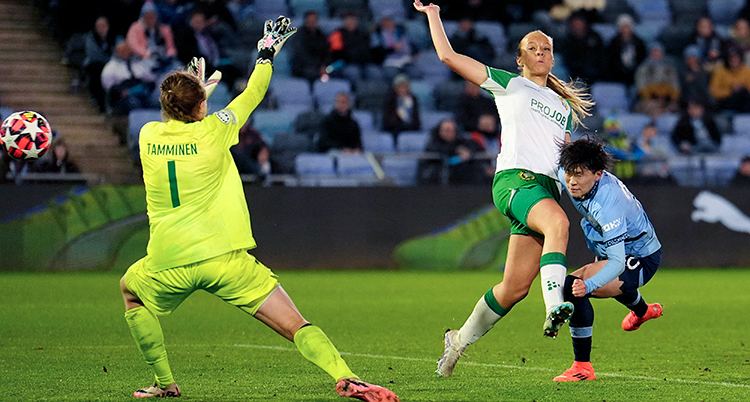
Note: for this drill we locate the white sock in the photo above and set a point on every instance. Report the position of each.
(481, 320)
(553, 279)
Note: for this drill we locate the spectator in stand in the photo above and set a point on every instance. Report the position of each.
(487, 134)
(99, 46)
(310, 49)
(622, 148)
(739, 38)
(251, 154)
(195, 39)
(468, 41)
(392, 49)
(153, 41)
(730, 84)
(696, 131)
(128, 81)
(471, 105)
(349, 52)
(657, 83)
(652, 166)
(581, 50)
(710, 44)
(58, 162)
(742, 177)
(172, 12)
(694, 78)
(220, 21)
(626, 52)
(339, 131)
(401, 109)
(455, 163)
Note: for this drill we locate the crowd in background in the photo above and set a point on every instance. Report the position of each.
(700, 75)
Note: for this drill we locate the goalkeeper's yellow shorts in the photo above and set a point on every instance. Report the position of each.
(235, 277)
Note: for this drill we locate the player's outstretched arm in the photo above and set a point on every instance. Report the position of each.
(274, 37)
(465, 66)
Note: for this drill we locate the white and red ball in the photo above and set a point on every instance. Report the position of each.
(25, 135)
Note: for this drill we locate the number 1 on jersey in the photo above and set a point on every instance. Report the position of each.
(173, 184)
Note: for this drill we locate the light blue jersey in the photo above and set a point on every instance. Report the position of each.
(615, 226)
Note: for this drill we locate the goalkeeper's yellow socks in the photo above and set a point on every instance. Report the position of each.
(317, 348)
(146, 331)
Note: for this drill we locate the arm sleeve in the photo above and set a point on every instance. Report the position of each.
(612, 269)
(251, 97)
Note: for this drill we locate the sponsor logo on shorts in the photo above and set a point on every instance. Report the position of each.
(527, 176)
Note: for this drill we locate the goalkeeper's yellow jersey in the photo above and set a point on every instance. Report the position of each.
(194, 195)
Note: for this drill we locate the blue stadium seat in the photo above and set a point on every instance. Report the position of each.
(605, 30)
(371, 95)
(354, 165)
(495, 32)
(665, 123)
(741, 124)
(651, 10)
(686, 170)
(735, 145)
(418, 33)
(219, 99)
(403, 170)
(632, 123)
(423, 91)
(272, 122)
(431, 118)
(324, 93)
(314, 164)
(365, 120)
(720, 169)
(610, 97)
(137, 118)
(378, 142)
(291, 91)
(393, 8)
(270, 9)
(412, 141)
(299, 7)
(724, 11)
(432, 69)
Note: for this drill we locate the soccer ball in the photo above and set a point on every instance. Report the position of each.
(25, 135)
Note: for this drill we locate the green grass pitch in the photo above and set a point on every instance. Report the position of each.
(63, 337)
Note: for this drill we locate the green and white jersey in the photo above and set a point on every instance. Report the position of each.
(534, 122)
(194, 195)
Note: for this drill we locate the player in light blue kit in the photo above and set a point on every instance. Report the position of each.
(621, 236)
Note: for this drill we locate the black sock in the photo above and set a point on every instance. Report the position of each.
(632, 299)
(582, 349)
(581, 323)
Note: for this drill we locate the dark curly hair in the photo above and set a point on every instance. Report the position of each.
(586, 153)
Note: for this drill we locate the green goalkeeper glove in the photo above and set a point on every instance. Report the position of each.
(197, 67)
(275, 34)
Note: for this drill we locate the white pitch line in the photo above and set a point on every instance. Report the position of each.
(493, 365)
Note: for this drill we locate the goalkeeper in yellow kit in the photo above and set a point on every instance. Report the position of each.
(200, 226)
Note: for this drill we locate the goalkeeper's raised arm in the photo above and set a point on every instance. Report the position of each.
(275, 35)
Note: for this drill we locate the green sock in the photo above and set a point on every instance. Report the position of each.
(317, 348)
(146, 331)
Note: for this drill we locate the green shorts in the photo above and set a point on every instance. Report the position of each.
(516, 191)
(235, 277)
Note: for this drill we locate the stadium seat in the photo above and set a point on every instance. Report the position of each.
(338, 8)
(720, 169)
(403, 170)
(272, 122)
(314, 164)
(741, 124)
(378, 142)
(735, 145)
(686, 170)
(515, 31)
(412, 141)
(675, 37)
(286, 147)
(632, 123)
(354, 165)
(423, 91)
(219, 99)
(687, 12)
(270, 9)
(300, 7)
(291, 91)
(431, 118)
(137, 118)
(371, 95)
(393, 8)
(324, 93)
(448, 95)
(610, 97)
(724, 11)
(665, 123)
(605, 30)
(418, 34)
(495, 32)
(365, 120)
(431, 68)
(651, 10)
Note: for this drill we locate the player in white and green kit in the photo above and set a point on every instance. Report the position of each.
(200, 228)
(537, 111)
